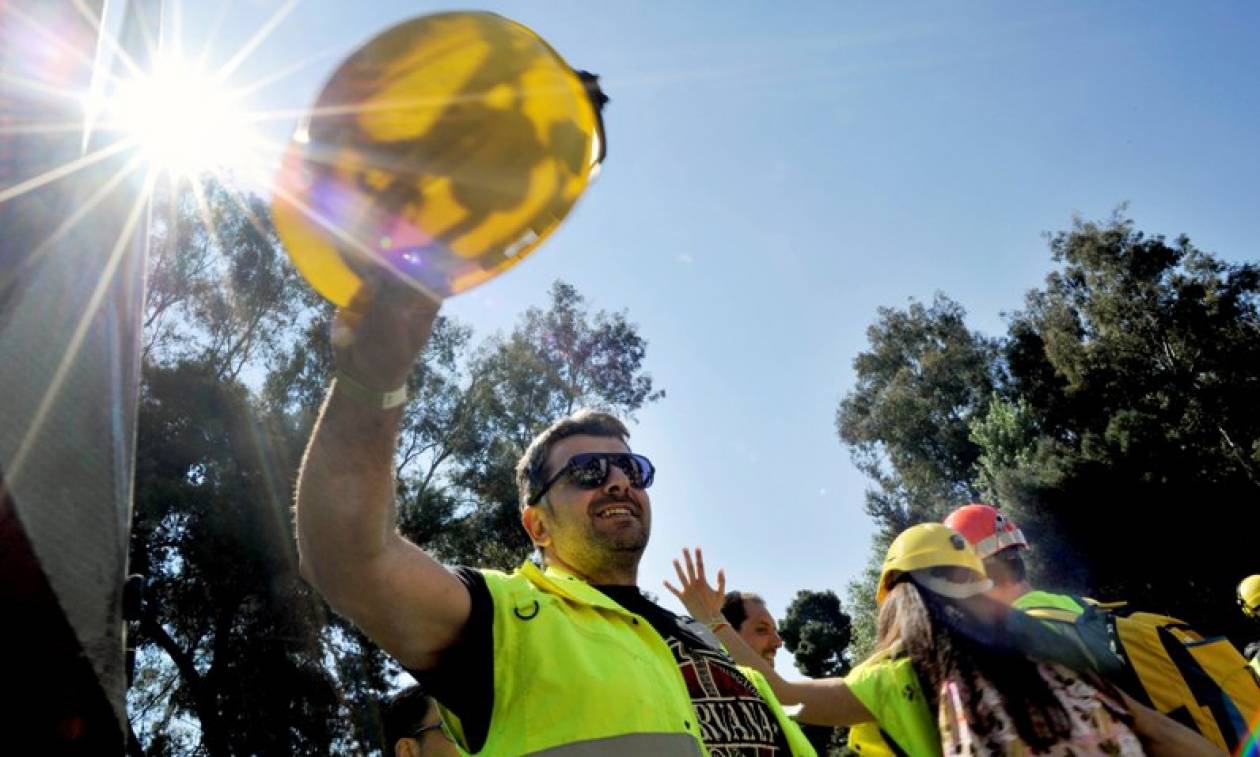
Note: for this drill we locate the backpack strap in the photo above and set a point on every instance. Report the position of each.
(1120, 607)
(1052, 613)
(1094, 632)
(1108, 606)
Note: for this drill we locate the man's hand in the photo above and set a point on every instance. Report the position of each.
(377, 340)
(701, 600)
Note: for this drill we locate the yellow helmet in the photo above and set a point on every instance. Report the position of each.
(1249, 596)
(927, 545)
(446, 149)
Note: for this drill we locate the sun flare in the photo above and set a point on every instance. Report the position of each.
(185, 121)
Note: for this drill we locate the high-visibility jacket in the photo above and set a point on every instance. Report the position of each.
(577, 674)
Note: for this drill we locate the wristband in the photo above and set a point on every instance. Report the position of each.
(381, 400)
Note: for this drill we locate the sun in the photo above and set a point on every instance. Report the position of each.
(185, 121)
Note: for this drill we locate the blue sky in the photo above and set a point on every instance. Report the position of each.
(777, 172)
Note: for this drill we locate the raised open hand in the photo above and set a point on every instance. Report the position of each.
(702, 601)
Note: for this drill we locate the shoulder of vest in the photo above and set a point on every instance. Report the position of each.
(883, 656)
(500, 577)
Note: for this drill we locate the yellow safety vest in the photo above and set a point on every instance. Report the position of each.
(576, 674)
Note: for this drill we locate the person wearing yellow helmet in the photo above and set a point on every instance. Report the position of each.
(1249, 602)
(943, 656)
(928, 568)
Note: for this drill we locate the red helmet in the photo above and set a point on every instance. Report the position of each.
(988, 530)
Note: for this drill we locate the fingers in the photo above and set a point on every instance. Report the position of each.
(691, 565)
(408, 297)
(343, 328)
(379, 335)
(695, 572)
(389, 299)
(365, 295)
(682, 579)
(672, 590)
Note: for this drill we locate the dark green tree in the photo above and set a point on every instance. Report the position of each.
(224, 599)
(231, 639)
(1114, 420)
(1127, 440)
(817, 632)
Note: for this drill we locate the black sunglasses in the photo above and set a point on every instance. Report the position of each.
(419, 733)
(589, 470)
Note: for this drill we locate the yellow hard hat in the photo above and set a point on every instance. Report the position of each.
(927, 545)
(446, 149)
(1249, 596)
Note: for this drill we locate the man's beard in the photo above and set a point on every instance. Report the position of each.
(624, 546)
(629, 540)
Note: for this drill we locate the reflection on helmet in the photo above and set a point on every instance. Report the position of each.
(447, 149)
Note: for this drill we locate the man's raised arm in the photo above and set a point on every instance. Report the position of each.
(349, 549)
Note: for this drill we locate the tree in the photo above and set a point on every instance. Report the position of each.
(1115, 420)
(553, 362)
(220, 290)
(230, 636)
(817, 632)
(235, 653)
(1128, 439)
(907, 423)
(224, 600)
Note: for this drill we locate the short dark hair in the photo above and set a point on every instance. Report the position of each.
(403, 714)
(733, 607)
(531, 469)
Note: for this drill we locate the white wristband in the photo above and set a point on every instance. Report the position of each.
(381, 400)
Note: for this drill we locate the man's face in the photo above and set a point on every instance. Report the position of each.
(1008, 584)
(758, 630)
(595, 530)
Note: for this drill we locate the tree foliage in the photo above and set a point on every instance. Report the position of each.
(1115, 419)
(1128, 438)
(817, 632)
(924, 379)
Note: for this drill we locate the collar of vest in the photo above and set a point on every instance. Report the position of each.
(895, 652)
(564, 584)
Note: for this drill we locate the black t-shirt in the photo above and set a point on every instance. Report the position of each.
(734, 719)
